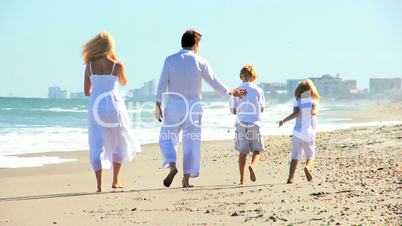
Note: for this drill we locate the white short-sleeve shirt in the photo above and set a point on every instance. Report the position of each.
(248, 108)
(305, 126)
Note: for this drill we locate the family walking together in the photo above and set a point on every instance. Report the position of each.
(178, 106)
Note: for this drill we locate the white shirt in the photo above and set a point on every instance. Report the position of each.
(305, 126)
(248, 108)
(183, 72)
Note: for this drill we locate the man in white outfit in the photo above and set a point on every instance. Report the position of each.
(181, 84)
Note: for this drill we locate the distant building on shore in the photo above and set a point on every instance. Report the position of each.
(273, 86)
(291, 85)
(331, 86)
(56, 92)
(77, 95)
(274, 90)
(383, 85)
(327, 85)
(146, 92)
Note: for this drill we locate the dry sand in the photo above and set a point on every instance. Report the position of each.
(357, 180)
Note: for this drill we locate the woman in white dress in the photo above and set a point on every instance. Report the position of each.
(111, 141)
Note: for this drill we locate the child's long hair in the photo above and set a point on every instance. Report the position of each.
(101, 45)
(304, 86)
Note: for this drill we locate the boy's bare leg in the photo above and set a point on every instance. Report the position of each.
(254, 160)
(169, 178)
(186, 181)
(116, 170)
(242, 166)
(292, 170)
(98, 175)
(307, 169)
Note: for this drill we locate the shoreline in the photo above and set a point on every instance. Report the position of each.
(16, 141)
(360, 125)
(351, 125)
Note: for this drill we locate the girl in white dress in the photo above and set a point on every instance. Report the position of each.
(305, 107)
(109, 133)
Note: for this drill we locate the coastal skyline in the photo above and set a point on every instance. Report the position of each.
(42, 40)
(327, 85)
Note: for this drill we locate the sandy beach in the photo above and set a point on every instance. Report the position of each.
(357, 180)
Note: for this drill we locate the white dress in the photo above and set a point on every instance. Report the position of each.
(109, 132)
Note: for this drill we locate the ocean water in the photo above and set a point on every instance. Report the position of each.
(34, 125)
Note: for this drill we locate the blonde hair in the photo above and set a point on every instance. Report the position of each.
(102, 45)
(248, 72)
(304, 86)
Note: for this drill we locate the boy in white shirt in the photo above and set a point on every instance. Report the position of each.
(248, 121)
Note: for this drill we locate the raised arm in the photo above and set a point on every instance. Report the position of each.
(295, 114)
(87, 82)
(209, 77)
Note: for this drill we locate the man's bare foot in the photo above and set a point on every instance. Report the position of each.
(187, 185)
(169, 178)
(186, 182)
(252, 174)
(290, 181)
(308, 174)
(117, 184)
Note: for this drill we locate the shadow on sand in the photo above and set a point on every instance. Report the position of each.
(74, 194)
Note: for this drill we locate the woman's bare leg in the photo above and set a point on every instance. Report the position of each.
(292, 170)
(242, 166)
(98, 175)
(116, 170)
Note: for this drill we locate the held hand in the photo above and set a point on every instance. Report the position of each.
(238, 92)
(281, 123)
(158, 112)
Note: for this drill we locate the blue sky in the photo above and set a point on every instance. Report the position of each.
(41, 40)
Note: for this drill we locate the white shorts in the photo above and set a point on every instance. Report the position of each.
(248, 138)
(300, 146)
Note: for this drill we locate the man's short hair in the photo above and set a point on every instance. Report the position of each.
(190, 38)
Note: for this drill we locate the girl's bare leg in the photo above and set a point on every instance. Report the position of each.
(292, 170)
(242, 166)
(254, 160)
(116, 170)
(307, 169)
(98, 175)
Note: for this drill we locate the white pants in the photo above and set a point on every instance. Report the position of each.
(176, 119)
